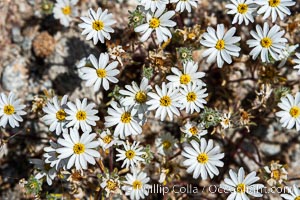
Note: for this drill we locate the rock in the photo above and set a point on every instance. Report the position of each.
(269, 149)
(16, 35)
(14, 76)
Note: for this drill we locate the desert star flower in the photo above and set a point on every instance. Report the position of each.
(221, 45)
(297, 61)
(98, 25)
(125, 119)
(44, 170)
(107, 140)
(192, 97)
(111, 184)
(165, 102)
(136, 97)
(101, 72)
(166, 144)
(81, 115)
(154, 4)
(193, 129)
(79, 149)
(131, 155)
(136, 184)
(274, 8)
(267, 41)
(184, 4)
(290, 113)
(190, 74)
(158, 22)
(242, 10)
(240, 186)
(56, 115)
(64, 10)
(286, 53)
(293, 194)
(10, 110)
(202, 158)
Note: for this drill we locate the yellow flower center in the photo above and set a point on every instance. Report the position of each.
(242, 8)
(193, 130)
(185, 79)
(202, 158)
(191, 97)
(241, 188)
(61, 115)
(226, 121)
(107, 139)
(101, 73)
(141, 97)
(126, 117)
(266, 42)
(165, 101)
(220, 45)
(81, 115)
(297, 198)
(66, 10)
(98, 25)
(154, 23)
(130, 154)
(137, 185)
(78, 148)
(295, 111)
(276, 174)
(9, 109)
(191, 36)
(274, 3)
(166, 144)
(111, 185)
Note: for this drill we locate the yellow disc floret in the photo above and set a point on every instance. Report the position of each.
(191, 97)
(165, 101)
(61, 115)
(202, 158)
(126, 117)
(166, 144)
(81, 115)
(295, 111)
(78, 148)
(242, 8)
(66, 10)
(140, 97)
(101, 73)
(241, 188)
(274, 3)
(154, 23)
(137, 185)
(193, 130)
(107, 139)
(9, 109)
(185, 79)
(98, 25)
(220, 45)
(130, 154)
(111, 185)
(266, 42)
